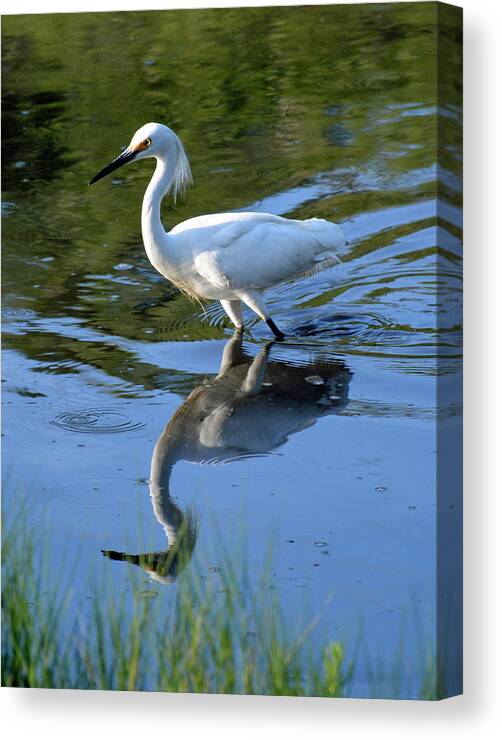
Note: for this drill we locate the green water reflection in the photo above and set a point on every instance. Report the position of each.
(264, 99)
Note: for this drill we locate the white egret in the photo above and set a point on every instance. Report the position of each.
(232, 257)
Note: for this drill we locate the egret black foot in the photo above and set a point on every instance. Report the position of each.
(277, 332)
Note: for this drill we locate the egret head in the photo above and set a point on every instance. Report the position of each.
(159, 141)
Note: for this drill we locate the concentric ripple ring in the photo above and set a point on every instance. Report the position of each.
(98, 421)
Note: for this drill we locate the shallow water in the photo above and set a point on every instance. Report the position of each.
(126, 406)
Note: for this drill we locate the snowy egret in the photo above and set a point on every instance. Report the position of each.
(231, 257)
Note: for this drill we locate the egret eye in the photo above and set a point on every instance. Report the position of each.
(147, 142)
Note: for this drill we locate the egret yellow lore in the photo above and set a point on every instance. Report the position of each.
(231, 257)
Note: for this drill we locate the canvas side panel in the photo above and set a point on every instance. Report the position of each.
(449, 366)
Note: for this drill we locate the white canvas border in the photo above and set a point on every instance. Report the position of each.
(55, 714)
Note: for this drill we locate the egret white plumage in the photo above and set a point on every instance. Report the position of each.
(232, 257)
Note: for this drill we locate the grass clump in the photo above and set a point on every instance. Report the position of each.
(202, 634)
(194, 637)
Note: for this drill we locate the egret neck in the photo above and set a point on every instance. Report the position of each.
(153, 232)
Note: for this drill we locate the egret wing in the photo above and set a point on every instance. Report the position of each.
(266, 252)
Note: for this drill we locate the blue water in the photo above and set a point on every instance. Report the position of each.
(332, 460)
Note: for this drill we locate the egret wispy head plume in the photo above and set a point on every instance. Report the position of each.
(149, 141)
(232, 257)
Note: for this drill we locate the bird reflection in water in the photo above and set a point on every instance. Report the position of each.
(250, 408)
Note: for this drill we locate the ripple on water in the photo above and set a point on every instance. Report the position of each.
(13, 314)
(97, 420)
(8, 207)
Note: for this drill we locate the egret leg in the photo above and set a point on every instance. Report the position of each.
(256, 303)
(278, 333)
(233, 309)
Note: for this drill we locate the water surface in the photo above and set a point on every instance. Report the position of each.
(130, 412)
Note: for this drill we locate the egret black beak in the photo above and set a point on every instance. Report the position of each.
(119, 161)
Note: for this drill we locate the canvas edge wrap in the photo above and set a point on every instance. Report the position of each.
(449, 517)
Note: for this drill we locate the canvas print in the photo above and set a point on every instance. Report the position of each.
(231, 381)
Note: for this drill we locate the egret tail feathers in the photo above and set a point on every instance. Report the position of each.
(319, 266)
(329, 235)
